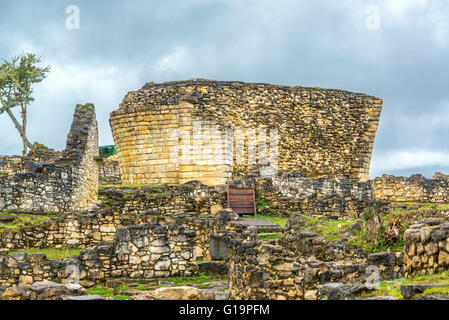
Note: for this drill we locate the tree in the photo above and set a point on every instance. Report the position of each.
(16, 80)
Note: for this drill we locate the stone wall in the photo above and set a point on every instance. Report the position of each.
(109, 171)
(282, 193)
(426, 247)
(69, 183)
(415, 188)
(178, 199)
(122, 207)
(140, 252)
(10, 164)
(208, 130)
(87, 230)
(261, 271)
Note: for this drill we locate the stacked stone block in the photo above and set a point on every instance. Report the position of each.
(326, 133)
(416, 188)
(426, 247)
(69, 183)
(139, 252)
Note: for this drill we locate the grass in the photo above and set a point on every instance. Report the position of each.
(52, 253)
(425, 205)
(145, 287)
(393, 288)
(23, 220)
(261, 202)
(271, 236)
(330, 230)
(201, 278)
(109, 293)
(282, 221)
(119, 292)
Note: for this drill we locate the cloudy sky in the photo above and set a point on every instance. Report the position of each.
(397, 50)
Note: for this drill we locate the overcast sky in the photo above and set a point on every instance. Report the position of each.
(402, 57)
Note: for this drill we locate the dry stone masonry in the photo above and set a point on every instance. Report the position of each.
(69, 183)
(416, 188)
(144, 252)
(109, 171)
(426, 247)
(209, 130)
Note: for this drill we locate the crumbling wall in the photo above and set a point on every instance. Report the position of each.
(426, 247)
(208, 130)
(178, 199)
(69, 183)
(415, 188)
(109, 171)
(10, 164)
(121, 207)
(141, 252)
(282, 193)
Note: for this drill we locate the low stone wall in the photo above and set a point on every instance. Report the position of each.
(87, 230)
(67, 184)
(416, 188)
(426, 247)
(109, 171)
(287, 192)
(261, 271)
(140, 252)
(11, 164)
(178, 199)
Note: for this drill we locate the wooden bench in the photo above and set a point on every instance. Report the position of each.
(242, 201)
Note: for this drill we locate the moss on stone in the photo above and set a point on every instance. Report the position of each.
(52, 253)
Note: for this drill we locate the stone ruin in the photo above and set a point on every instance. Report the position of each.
(210, 131)
(177, 215)
(65, 183)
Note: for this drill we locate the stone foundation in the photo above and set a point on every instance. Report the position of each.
(139, 252)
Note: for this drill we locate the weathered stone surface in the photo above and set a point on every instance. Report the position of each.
(6, 218)
(410, 290)
(43, 290)
(213, 268)
(179, 293)
(307, 117)
(69, 182)
(425, 247)
(416, 188)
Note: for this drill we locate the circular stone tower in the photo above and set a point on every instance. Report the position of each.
(208, 130)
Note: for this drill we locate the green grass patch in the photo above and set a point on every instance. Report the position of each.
(101, 290)
(393, 287)
(282, 221)
(272, 236)
(116, 293)
(24, 220)
(330, 230)
(52, 253)
(145, 287)
(201, 278)
(261, 202)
